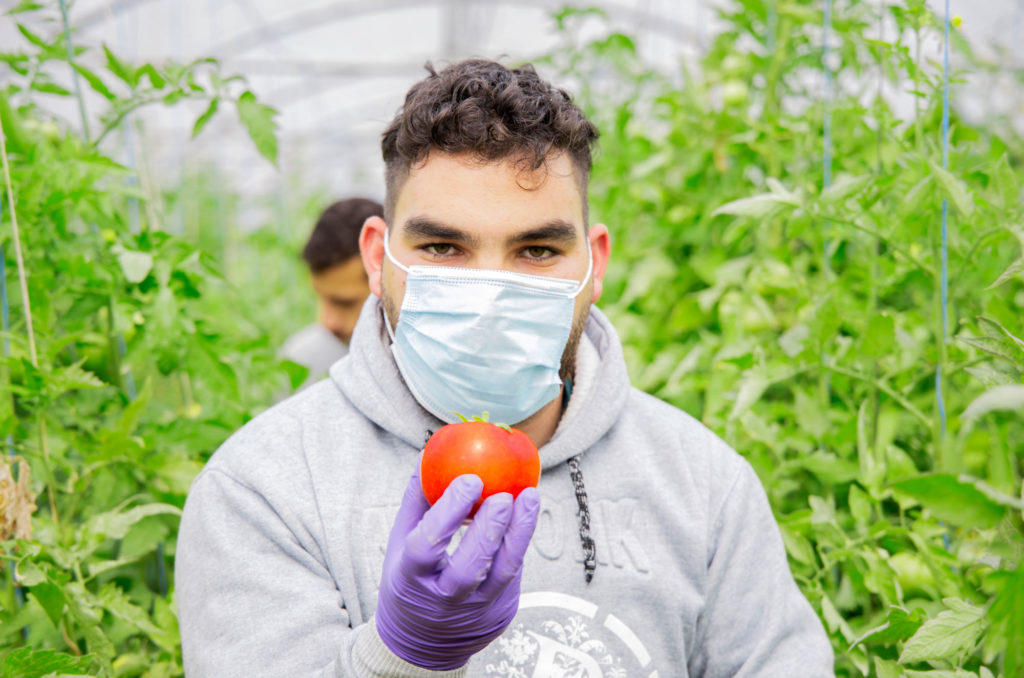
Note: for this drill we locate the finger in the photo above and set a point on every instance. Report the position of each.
(471, 562)
(410, 513)
(508, 561)
(425, 546)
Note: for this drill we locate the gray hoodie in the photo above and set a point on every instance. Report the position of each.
(282, 539)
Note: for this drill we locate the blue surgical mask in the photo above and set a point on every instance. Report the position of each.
(470, 341)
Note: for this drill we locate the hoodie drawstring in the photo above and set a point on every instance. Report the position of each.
(589, 548)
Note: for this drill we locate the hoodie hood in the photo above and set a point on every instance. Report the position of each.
(370, 379)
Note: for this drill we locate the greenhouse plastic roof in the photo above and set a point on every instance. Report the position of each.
(337, 71)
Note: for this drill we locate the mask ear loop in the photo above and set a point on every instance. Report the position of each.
(387, 252)
(590, 270)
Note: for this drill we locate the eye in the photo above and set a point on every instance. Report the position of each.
(440, 249)
(538, 252)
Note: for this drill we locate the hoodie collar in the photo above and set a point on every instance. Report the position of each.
(370, 379)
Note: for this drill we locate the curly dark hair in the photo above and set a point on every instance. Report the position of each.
(335, 238)
(481, 107)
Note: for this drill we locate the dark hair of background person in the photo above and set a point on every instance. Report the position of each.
(335, 238)
(481, 107)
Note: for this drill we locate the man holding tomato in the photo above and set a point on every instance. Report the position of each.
(299, 553)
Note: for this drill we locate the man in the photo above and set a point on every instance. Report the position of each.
(648, 549)
(340, 284)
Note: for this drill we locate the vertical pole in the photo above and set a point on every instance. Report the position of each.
(74, 73)
(944, 247)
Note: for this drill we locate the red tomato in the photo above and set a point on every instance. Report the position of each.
(504, 458)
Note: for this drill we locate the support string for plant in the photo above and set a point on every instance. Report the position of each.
(945, 236)
(74, 71)
(826, 170)
(826, 161)
(27, 308)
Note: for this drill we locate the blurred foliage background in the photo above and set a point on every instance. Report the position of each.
(780, 284)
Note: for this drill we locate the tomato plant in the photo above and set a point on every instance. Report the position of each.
(504, 458)
(803, 322)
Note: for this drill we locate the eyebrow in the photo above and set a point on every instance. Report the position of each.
(423, 228)
(556, 230)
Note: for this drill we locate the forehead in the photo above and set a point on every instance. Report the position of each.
(346, 278)
(462, 191)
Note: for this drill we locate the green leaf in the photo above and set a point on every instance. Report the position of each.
(33, 38)
(860, 505)
(25, 6)
(751, 388)
(1014, 270)
(880, 336)
(886, 668)
(30, 574)
(121, 69)
(115, 601)
(954, 632)
(259, 122)
(900, 625)
(954, 190)
(41, 84)
(95, 82)
(1006, 183)
(828, 467)
(953, 500)
(845, 187)
(129, 418)
(71, 378)
(756, 206)
(1001, 398)
(156, 78)
(26, 662)
(1007, 614)
(115, 524)
(201, 121)
(134, 264)
(297, 373)
(51, 598)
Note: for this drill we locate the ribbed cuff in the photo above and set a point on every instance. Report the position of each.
(373, 659)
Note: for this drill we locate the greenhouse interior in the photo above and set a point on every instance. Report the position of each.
(721, 300)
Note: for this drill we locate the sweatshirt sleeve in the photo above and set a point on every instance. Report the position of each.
(254, 602)
(756, 622)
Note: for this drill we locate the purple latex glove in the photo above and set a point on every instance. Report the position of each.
(435, 610)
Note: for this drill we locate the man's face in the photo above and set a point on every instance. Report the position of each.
(456, 211)
(341, 291)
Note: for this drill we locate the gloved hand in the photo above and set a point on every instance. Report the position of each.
(435, 610)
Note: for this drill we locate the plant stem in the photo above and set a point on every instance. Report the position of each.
(884, 388)
(74, 72)
(50, 479)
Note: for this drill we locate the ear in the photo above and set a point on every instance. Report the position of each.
(371, 247)
(600, 249)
